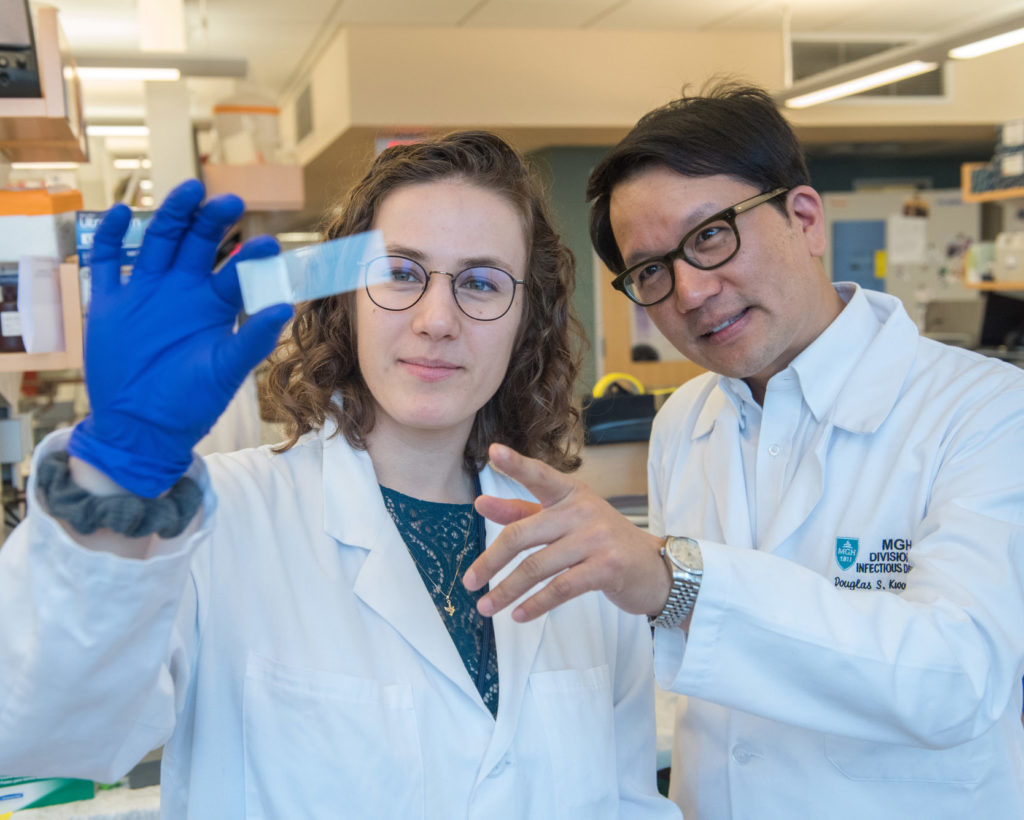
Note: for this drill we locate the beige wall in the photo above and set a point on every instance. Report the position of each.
(331, 84)
(571, 82)
(548, 87)
(539, 78)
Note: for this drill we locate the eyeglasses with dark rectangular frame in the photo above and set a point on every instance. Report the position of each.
(710, 245)
(481, 292)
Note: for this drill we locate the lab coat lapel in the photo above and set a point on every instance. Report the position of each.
(391, 586)
(857, 404)
(517, 645)
(388, 582)
(723, 466)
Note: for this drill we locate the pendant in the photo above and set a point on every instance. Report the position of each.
(448, 607)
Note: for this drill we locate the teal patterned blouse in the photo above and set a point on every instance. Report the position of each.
(443, 540)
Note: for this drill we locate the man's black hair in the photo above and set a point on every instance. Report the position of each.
(730, 129)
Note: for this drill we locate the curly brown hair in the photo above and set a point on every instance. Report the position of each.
(533, 410)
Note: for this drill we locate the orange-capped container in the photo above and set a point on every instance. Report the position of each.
(37, 222)
(247, 130)
(36, 201)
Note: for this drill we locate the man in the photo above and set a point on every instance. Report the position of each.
(835, 558)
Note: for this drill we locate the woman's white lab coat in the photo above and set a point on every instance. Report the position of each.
(864, 659)
(295, 665)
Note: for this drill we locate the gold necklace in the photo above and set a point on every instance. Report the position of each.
(449, 607)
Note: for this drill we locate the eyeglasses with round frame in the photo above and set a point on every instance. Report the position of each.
(481, 292)
(710, 245)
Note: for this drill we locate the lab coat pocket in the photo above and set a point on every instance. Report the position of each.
(324, 744)
(962, 765)
(576, 710)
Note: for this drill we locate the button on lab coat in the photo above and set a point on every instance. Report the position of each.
(295, 665)
(821, 687)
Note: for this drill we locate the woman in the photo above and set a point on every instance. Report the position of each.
(304, 646)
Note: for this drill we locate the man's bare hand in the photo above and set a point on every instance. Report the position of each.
(590, 546)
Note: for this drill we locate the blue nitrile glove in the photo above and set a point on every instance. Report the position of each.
(162, 359)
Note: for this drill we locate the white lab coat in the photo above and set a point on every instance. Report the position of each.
(810, 695)
(294, 663)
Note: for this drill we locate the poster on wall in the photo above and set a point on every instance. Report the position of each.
(906, 240)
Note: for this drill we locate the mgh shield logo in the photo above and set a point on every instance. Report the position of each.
(846, 551)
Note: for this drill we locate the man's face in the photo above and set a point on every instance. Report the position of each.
(750, 317)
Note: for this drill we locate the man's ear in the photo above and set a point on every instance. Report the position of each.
(808, 213)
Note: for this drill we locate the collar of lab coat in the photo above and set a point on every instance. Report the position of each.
(390, 584)
(850, 377)
(852, 374)
(855, 369)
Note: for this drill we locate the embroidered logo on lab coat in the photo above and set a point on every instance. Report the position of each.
(846, 551)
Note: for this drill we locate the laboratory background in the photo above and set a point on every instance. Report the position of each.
(913, 135)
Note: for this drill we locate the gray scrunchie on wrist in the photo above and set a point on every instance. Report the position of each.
(124, 513)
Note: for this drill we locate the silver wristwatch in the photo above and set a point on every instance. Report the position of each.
(686, 566)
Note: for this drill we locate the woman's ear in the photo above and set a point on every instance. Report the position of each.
(808, 213)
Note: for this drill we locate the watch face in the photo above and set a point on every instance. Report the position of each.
(686, 553)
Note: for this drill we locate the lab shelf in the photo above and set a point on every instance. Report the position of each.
(994, 195)
(1011, 286)
(48, 128)
(71, 356)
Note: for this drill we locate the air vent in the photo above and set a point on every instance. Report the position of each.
(814, 56)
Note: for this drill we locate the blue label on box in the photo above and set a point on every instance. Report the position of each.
(86, 223)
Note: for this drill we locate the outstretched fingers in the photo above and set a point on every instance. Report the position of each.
(526, 524)
(198, 250)
(505, 510)
(575, 580)
(545, 482)
(253, 342)
(572, 543)
(105, 257)
(555, 572)
(164, 234)
(530, 531)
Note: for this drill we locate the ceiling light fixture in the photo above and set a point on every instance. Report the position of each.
(130, 164)
(117, 130)
(988, 45)
(859, 84)
(300, 236)
(186, 64)
(44, 166)
(109, 73)
(930, 51)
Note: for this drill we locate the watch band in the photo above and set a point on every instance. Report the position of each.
(683, 593)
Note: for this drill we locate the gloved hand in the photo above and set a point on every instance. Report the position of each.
(162, 359)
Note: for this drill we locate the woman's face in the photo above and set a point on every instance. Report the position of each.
(431, 367)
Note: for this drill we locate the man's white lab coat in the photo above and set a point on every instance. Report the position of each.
(864, 657)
